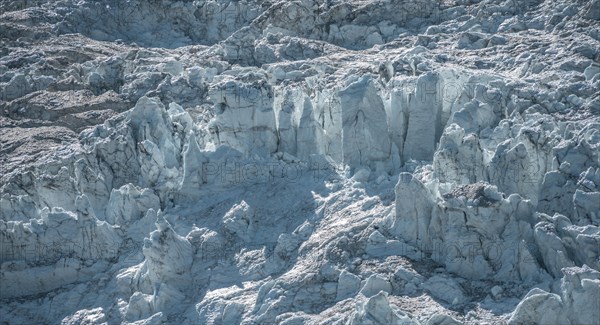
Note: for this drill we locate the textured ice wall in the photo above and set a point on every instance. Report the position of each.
(248, 177)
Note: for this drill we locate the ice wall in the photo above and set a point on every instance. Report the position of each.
(356, 162)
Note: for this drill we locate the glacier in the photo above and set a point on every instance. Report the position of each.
(300, 162)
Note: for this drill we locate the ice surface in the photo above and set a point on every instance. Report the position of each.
(300, 162)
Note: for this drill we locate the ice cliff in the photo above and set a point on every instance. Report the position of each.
(300, 162)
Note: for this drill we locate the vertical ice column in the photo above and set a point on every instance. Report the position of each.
(424, 112)
(365, 137)
(398, 116)
(245, 119)
(298, 132)
(193, 161)
(413, 210)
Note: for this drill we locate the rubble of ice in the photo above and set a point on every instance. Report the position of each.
(300, 162)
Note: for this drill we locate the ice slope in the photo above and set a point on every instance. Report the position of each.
(303, 162)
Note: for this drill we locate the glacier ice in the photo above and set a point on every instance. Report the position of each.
(304, 162)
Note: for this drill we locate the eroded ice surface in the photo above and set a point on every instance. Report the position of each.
(300, 162)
